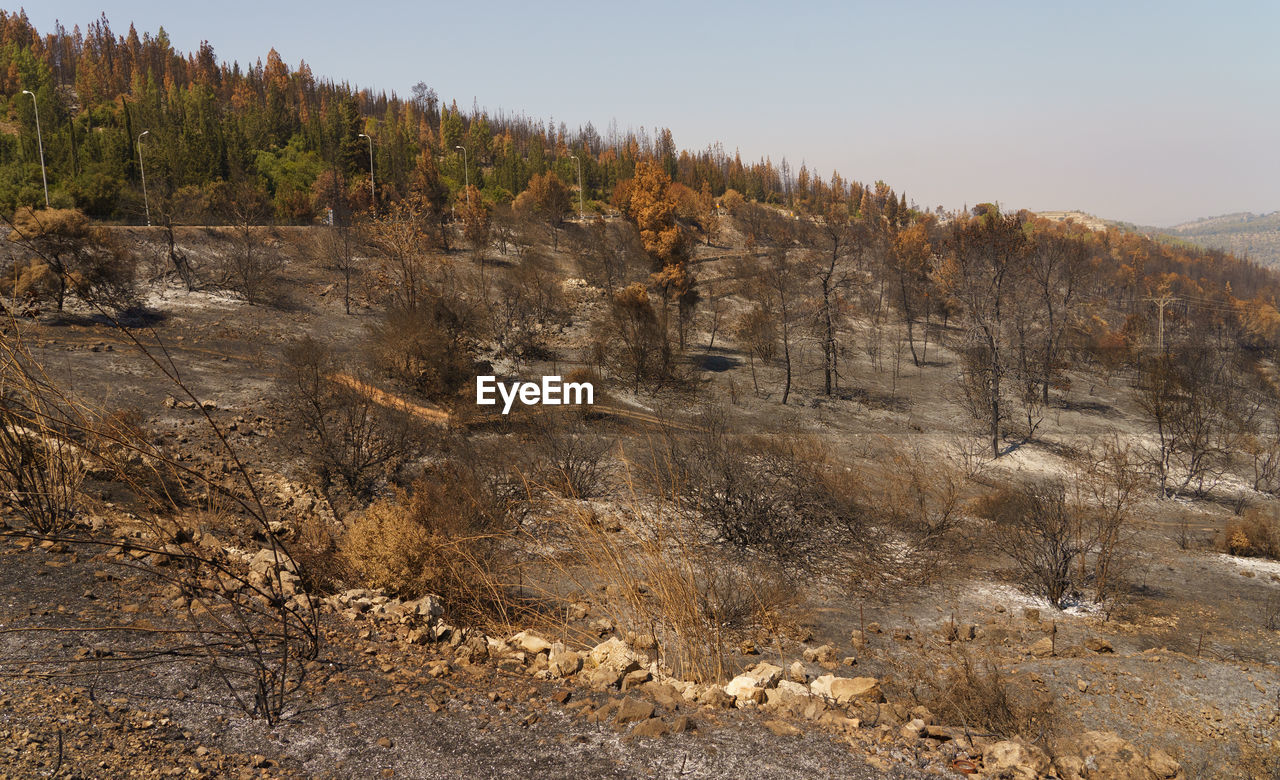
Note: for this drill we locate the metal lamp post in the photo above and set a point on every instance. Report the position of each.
(39, 144)
(466, 173)
(579, 162)
(373, 190)
(145, 202)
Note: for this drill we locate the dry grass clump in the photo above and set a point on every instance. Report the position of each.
(659, 582)
(445, 535)
(1255, 534)
(964, 687)
(41, 468)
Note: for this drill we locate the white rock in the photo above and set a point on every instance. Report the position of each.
(794, 688)
(530, 643)
(766, 675)
(740, 685)
(846, 689)
(613, 653)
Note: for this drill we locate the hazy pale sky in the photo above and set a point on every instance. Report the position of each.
(1150, 112)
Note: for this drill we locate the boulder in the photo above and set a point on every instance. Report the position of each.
(562, 661)
(1014, 759)
(744, 691)
(783, 729)
(1042, 648)
(740, 685)
(615, 654)
(603, 678)
(844, 690)
(1108, 756)
(788, 697)
(1162, 766)
(715, 697)
(266, 560)
(426, 607)
(664, 694)
(765, 675)
(474, 650)
(635, 678)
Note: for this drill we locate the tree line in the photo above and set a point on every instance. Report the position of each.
(293, 136)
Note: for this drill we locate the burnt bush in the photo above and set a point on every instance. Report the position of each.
(428, 347)
(768, 496)
(1043, 534)
(569, 458)
(344, 434)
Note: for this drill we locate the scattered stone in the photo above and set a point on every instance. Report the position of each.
(385, 742)
(1098, 645)
(783, 729)
(633, 710)
(651, 728)
(563, 662)
(1042, 648)
(635, 678)
(825, 654)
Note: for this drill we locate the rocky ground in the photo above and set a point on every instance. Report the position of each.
(376, 702)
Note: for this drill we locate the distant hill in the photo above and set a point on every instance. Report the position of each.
(1246, 235)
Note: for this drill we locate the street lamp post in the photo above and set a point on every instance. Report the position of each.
(146, 203)
(579, 162)
(466, 173)
(373, 188)
(39, 144)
